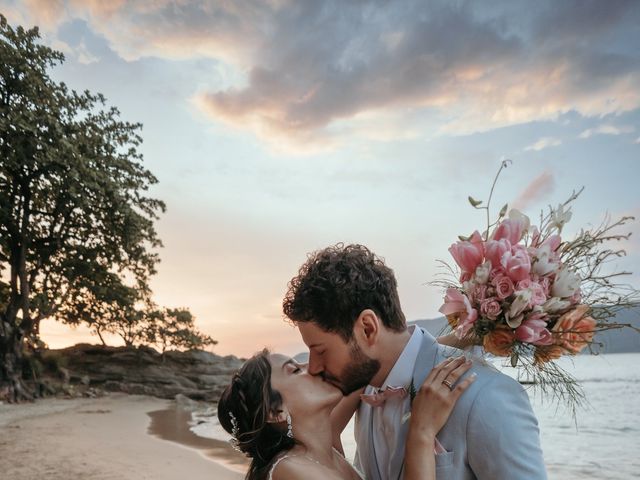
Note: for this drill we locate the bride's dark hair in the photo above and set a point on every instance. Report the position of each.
(250, 399)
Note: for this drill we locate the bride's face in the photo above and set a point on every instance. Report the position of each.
(301, 393)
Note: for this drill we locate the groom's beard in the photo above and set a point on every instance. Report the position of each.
(358, 374)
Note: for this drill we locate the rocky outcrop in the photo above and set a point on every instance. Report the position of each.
(90, 369)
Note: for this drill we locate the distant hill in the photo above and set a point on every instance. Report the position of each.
(614, 341)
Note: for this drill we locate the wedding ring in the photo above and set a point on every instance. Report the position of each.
(448, 384)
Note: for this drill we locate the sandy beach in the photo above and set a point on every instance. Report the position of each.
(102, 438)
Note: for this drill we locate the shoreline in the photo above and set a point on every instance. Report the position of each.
(103, 438)
(173, 424)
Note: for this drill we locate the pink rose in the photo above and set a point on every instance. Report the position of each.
(523, 284)
(490, 308)
(468, 254)
(457, 304)
(534, 330)
(495, 249)
(538, 297)
(517, 263)
(479, 293)
(503, 285)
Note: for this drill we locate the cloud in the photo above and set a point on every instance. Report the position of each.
(46, 13)
(544, 142)
(607, 129)
(541, 186)
(310, 68)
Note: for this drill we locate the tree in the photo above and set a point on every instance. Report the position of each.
(175, 327)
(76, 227)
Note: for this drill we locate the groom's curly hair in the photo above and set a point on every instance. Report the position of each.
(336, 283)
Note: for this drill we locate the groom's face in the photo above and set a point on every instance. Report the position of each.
(341, 363)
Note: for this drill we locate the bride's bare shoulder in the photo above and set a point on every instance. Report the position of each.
(298, 466)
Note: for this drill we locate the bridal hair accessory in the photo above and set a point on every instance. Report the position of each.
(289, 430)
(235, 432)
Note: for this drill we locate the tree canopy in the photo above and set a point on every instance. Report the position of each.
(77, 235)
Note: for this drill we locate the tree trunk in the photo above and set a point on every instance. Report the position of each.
(100, 337)
(12, 386)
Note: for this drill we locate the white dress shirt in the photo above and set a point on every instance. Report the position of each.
(388, 417)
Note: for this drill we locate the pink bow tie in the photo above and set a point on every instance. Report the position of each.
(377, 399)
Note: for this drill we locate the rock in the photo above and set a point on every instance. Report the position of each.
(196, 375)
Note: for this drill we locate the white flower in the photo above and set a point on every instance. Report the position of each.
(566, 283)
(469, 286)
(543, 264)
(559, 217)
(482, 272)
(514, 322)
(522, 301)
(517, 216)
(554, 304)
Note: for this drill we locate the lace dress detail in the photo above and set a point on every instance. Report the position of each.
(275, 464)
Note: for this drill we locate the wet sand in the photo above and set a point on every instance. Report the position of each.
(172, 424)
(105, 439)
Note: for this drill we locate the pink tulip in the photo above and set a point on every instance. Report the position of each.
(517, 263)
(535, 236)
(510, 229)
(456, 302)
(553, 241)
(468, 254)
(494, 250)
(534, 330)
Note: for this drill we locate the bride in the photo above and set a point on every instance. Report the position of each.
(289, 422)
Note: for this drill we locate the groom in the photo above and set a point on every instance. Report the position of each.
(345, 303)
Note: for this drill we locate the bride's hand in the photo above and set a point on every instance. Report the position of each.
(434, 401)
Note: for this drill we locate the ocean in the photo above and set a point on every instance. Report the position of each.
(603, 441)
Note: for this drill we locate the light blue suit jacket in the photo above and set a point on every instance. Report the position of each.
(492, 433)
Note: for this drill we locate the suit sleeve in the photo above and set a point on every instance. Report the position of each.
(503, 439)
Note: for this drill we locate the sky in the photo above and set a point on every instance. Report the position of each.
(278, 127)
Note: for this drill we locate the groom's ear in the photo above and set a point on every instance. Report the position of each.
(367, 327)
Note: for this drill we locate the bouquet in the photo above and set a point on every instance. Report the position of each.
(523, 291)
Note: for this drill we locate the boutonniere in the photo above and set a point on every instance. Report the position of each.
(412, 395)
(412, 392)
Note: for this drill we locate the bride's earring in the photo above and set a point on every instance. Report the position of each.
(289, 430)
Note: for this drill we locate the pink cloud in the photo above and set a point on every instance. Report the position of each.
(539, 188)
